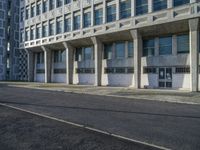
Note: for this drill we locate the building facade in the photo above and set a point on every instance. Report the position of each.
(133, 43)
(10, 54)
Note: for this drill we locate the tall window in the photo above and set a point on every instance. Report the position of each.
(51, 4)
(59, 25)
(59, 56)
(108, 51)
(120, 50)
(27, 34)
(88, 53)
(111, 13)
(40, 58)
(87, 19)
(59, 3)
(51, 28)
(44, 6)
(22, 15)
(141, 7)
(67, 1)
(98, 16)
(32, 32)
(77, 24)
(44, 30)
(78, 54)
(180, 2)
(183, 43)
(159, 5)
(38, 31)
(125, 9)
(130, 49)
(165, 45)
(39, 8)
(32, 10)
(22, 36)
(27, 12)
(148, 47)
(67, 24)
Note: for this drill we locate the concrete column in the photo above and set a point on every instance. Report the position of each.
(133, 8)
(117, 10)
(72, 21)
(170, 3)
(194, 53)
(31, 65)
(150, 6)
(98, 47)
(92, 14)
(81, 15)
(47, 64)
(69, 62)
(104, 12)
(137, 42)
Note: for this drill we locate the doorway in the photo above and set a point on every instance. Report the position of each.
(165, 77)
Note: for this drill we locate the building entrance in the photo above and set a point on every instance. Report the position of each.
(165, 77)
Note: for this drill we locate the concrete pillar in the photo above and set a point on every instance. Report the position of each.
(104, 12)
(137, 43)
(81, 15)
(47, 64)
(92, 14)
(117, 10)
(194, 53)
(98, 47)
(170, 3)
(30, 61)
(133, 8)
(69, 62)
(150, 6)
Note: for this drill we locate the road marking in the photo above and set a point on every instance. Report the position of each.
(86, 127)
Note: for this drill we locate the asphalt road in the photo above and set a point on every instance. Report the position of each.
(174, 126)
(23, 131)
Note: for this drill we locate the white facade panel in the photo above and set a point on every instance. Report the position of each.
(87, 79)
(149, 80)
(39, 78)
(118, 80)
(59, 78)
(181, 81)
(199, 81)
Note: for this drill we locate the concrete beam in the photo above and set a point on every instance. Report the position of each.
(30, 61)
(47, 64)
(194, 53)
(98, 47)
(137, 44)
(69, 62)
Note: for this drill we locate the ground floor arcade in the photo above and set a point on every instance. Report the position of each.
(160, 56)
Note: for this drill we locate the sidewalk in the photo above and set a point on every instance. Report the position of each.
(145, 94)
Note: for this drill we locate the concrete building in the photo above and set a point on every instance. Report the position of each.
(133, 43)
(10, 56)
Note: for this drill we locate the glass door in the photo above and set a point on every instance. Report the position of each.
(165, 77)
